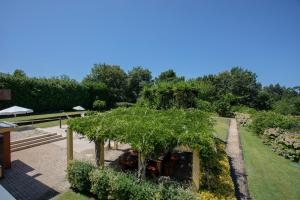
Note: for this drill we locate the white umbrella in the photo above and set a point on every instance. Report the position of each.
(79, 108)
(15, 110)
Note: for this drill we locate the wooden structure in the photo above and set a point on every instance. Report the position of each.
(141, 160)
(5, 129)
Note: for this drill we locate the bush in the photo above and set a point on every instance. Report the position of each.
(100, 183)
(205, 106)
(48, 94)
(124, 104)
(99, 105)
(109, 184)
(264, 120)
(78, 175)
(182, 94)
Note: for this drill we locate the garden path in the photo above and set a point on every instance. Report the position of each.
(235, 154)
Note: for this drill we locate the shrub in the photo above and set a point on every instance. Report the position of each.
(264, 120)
(109, 184)
(78, 175)
(145, 191)
(121, 185)
(204, 106)
(99, 105)
(182, 94)
(124, 104)
(48, 94)
(173, 192)
(100, 183)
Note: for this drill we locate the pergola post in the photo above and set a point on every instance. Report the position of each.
(102, 153)
(115, 145)
(99, 152)
(69, 144)
(196, 170)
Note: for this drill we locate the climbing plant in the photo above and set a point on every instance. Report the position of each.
(150, 132)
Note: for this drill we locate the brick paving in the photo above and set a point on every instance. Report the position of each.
(39, 173)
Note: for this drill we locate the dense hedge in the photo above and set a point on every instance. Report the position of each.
(109, 184)
(78, 175)
(44, 95)
(264, 120)
(183, 94)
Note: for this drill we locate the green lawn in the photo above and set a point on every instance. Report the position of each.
(30, 117)
(71, 196)
(221, 127)
(270, 176)
(40, 125)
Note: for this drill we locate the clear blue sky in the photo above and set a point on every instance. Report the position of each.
(54, 37)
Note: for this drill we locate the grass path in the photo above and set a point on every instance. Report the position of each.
(221, 127)
(269, 175)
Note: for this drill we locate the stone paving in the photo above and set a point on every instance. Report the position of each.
(39, 172)
(235, 154)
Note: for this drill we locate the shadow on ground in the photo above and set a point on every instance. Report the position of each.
(21, 182)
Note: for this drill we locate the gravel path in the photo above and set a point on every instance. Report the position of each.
(235, 154)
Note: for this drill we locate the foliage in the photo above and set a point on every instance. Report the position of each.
(112, 76)
(205, 106)
(78, 175)
(216, 173)
(264, 120)
(288, 106)
(223, 106)
(124, 104)
(168, 76)
(243, 109)
(138, 77)
(182, 94)
(109, 184)
(42, 95)
(99, 105)
(240, 83)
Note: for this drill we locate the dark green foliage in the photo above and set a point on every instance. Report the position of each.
(99, 105)
(264, 120)
(182, 94)
(124, 104)
(109, 184)
(205, 106)
(138, 77)
(223, 105)
(240, 83)
(100, 183)
(113, 77)
(288, 106)
(44, 95)
(78, 175)
(168, 76)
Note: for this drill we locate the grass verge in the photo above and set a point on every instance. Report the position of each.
(270, 176)
(221, 127)
(70, 195)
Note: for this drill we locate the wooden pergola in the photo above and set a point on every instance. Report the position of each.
(195, 162)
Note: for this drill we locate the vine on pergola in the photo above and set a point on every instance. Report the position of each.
(148, 131)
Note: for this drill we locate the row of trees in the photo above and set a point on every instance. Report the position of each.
(111, 84)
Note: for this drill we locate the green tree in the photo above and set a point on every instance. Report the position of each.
(113, 77)
(138, 77)
(18, 73)
(169, 75)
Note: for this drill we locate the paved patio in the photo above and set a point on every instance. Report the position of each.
(39, 172)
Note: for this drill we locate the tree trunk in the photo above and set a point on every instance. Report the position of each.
(142, 166)
(99, 152)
